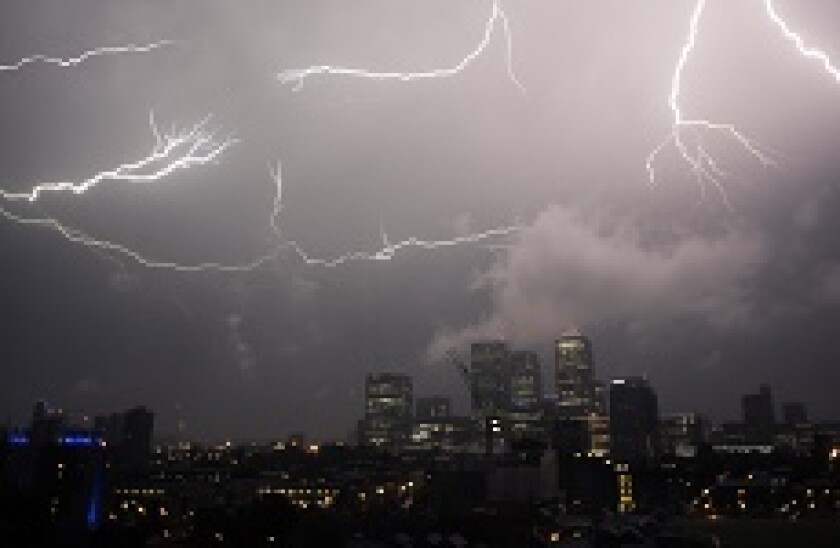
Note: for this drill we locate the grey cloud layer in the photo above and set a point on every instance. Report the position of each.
(570, 269)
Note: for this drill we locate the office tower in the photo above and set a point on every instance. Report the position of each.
(525, 414)
(574, 373)
(759, 416)
(634, 420)
(579, 396)
(490, 376)
(681, 434)
(525, 378)
(388, 406)
(433, 407)
(794, 413)
(490, 379)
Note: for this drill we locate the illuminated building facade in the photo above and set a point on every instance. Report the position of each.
(388, 407)
(506, 393)
(525, 378)
(435, 429)
(574, 375)
(525, 416)
(580, 397)
(490, 378)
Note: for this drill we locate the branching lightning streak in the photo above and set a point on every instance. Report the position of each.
(806, 51)
(701, 162)
(386, 253)
(498, 16)
(173, 151)
(75, 61)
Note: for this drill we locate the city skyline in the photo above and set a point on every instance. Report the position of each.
(499, 380)
(597, 464)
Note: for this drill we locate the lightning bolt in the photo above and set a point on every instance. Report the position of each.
(805, 50)
(177, 150)
(75, 61)
(699, 160)
(497, 17)
(386, 253)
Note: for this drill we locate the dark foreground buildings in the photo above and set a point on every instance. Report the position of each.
(57, 472)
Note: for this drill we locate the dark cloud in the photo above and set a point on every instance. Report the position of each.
(573, 269)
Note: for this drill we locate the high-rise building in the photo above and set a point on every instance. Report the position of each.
(506, 393)
(525, 415)
(388, 406)
(759, 415)
(490, 379)
(634, 420)
(525, 378)
(579, 396)
(577, 389)
(794, 413)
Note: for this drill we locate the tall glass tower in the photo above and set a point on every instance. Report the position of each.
(574, 376)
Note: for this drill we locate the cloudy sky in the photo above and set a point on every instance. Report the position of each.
(707, 300)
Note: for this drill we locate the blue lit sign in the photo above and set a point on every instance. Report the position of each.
(79, 441)
(18, 439)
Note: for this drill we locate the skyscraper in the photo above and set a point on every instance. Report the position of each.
(574, 375)
(388, 406)
(525, 378)
(580, 398)
(634, 420)
(489, 378)
(525, 414)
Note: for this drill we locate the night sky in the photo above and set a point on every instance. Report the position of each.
(706, 300)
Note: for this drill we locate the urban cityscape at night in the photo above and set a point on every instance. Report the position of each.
(440, 274)
(592, 464)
